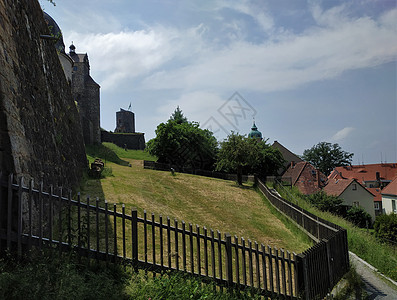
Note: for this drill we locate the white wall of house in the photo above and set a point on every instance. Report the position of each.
(356, 195)
(387, 204)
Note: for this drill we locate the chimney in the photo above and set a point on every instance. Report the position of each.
(378, 176)
(292, 164)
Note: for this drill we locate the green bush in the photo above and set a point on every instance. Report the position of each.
(325, 202)
(359, 217)
(386, 227)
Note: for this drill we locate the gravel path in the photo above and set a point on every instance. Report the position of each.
(377, 286)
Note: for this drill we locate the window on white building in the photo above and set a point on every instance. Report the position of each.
(354, 186)
(356, 204)
(393, 206)
(376, 205)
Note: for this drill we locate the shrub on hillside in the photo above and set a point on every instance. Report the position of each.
(325, 202)
(386, 227)
(359, 217)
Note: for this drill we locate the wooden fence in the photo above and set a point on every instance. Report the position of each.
(323, 265)
(31, 217)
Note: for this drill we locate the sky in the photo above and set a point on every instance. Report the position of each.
(304, 71)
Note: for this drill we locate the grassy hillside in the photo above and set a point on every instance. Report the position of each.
(214, 203)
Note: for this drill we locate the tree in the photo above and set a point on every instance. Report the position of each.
(184, 145)
(359, 217)
(326, 156)
(386, 227)
(178, 116)
(326, 202)
(238, 153)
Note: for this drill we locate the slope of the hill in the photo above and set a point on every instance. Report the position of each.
(214, 203)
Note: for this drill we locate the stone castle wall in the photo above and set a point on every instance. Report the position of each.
(135, 141)
(40, 129)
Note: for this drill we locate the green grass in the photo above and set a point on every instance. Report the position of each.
(47, 276)
(361, 242)
(209, 202)
(105, 153)
(130, 154)
(214, 203)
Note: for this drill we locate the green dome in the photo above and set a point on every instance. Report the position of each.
(255, 133)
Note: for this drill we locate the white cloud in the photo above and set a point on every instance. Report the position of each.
(320, 53)
(185, 59)
(342, 134)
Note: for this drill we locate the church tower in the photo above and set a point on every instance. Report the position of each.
(255, 133)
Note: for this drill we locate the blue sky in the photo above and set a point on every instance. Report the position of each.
(306, 71)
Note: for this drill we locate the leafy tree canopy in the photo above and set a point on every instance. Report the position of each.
(359, 217)
(184, 144)
(326, 156)
(178, 116)
(239, 153)
(386, 227)
(325, 202)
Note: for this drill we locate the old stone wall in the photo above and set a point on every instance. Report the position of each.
(135, 141)
(40, 129)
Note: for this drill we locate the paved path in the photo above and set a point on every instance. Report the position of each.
(377, 286)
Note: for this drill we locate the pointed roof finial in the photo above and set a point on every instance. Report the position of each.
(72, 48)
(253, 124)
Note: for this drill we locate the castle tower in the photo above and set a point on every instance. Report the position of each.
(86, 92)
(66, 61)
(125, 121)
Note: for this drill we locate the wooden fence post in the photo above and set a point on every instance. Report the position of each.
(229, 269)
(302, 283)
(134, 225)
(329, 261)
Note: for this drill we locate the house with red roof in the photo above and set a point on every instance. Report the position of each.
(305, 177)
(352, 193)
(374, 177)
(389, 197)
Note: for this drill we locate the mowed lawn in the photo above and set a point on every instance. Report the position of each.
(214, 203)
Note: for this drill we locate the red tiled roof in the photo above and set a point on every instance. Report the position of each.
(337, 187)
(376, 192)
(295, 171)
(305, 177)
(391, 188)
(365, 172)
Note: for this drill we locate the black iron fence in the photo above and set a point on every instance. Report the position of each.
(103, 232)
(31, 217)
